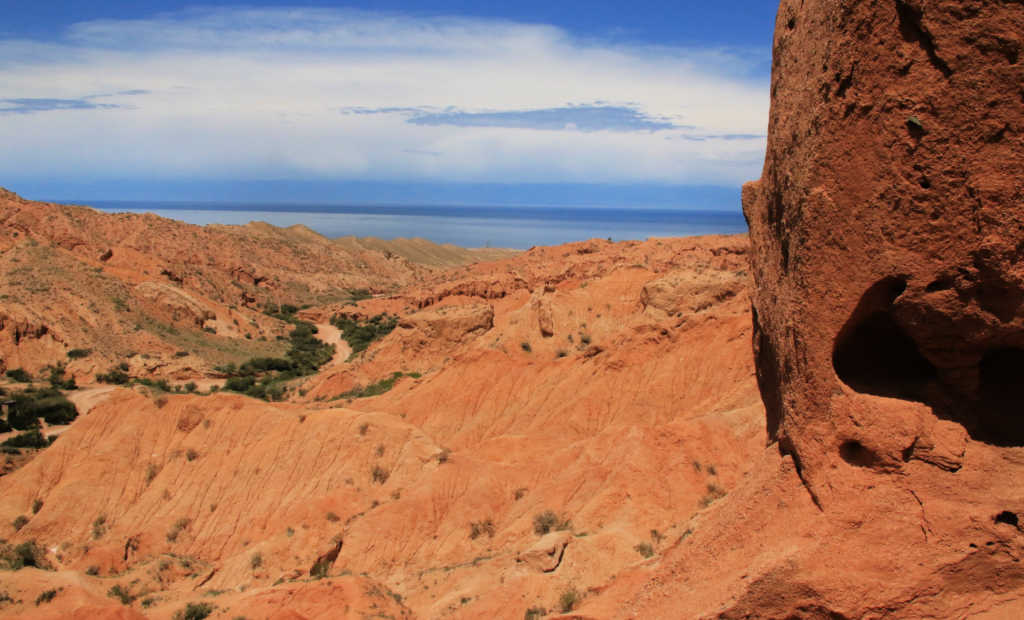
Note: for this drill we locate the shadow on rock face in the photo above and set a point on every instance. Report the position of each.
(875, 354)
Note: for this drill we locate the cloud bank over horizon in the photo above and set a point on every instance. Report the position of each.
(325, 94)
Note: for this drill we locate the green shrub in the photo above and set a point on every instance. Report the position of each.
(55, 409)
(320, 569)
(28, 439)
(256, 561)
(30, 405)
(375, 389)
(77, 354)
(19, 375)
(714, 493)
(361, 333)
(176, 529)
(19, 522)
(479, 528)
(645, 549)
(359, 294)
(569, 599)
(194, 611)
(26, 554)
(121, 594)
(99, 527)
(379, 474)
(263, 377)
(547, 521)
(116, 376)
(57, 380)
(534, 613)
(156, 384)
(37, 505)
(45, 597)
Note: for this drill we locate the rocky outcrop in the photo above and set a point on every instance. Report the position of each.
(545, 319)
(545, 555)
(888, 229)
(173, 303)
(683, 291)
(887, 238)
(451, 324)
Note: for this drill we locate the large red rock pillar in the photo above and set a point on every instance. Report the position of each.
(888, 235)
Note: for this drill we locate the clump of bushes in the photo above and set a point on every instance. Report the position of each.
(378, 388)
(99, 527)
(194, 611)
(361, 333)
(714, 493)
(116, 376)
(569, 599)
(19, 375)
(179, 526)
(45, 597)
(28, 439)
(28, 553)
(263, 377)
(358, 294)
(121, 594)
(283, 312)
(645, 549)
(379, 474)
(548, 521)
(479, 528)
(57, 380)
(77, 354)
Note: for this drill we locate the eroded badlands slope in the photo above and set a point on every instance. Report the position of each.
(609, 385)
(170, 299)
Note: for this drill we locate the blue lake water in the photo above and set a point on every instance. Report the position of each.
(506, 227)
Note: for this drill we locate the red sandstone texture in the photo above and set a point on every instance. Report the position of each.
(612, 384)
(633, 409)
(887, 238)
(142, 289)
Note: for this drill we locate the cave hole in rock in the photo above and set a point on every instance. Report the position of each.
(1000, 407)
(854, 453)
(1008, 517)
(874, 355)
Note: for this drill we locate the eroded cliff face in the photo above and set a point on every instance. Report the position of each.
(888, 233)
(887, 238)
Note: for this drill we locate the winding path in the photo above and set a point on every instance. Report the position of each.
(332, 335)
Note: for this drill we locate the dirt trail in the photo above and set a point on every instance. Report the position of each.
(87, 398)
(332, 335)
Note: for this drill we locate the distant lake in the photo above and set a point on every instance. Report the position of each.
(473, 227)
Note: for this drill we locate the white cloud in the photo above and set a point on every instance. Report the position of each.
(261, 94)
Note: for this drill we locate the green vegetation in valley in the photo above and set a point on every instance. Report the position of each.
(264, 377)
(378, 388)
(360, 333)
(31, 404)
(19, 375)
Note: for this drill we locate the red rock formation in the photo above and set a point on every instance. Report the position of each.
(887, 242)
(888, 234)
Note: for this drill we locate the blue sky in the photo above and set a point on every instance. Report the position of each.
(610, 104)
